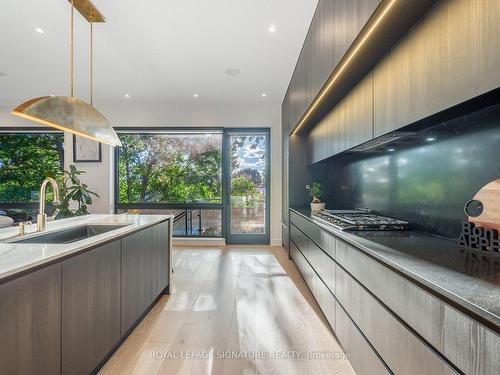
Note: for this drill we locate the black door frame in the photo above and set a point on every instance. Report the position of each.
(226, 171)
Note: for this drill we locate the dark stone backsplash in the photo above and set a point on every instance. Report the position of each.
(425, 179)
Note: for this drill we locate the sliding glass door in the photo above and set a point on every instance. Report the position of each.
(214, 181)
(172, 171)
(247, 185)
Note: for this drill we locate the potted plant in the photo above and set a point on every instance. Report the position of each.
(315, 191)
(72, 189)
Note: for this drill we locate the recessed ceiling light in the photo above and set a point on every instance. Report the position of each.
(195, 95)
(272, 28)
(264, 94)
(391, 150)
(232, 71)
(127, 96)
(39, 30)
(430, 139)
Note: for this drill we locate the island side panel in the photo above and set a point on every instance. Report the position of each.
(161, 262)
(30, 316)
(90, 308)
(137, 281)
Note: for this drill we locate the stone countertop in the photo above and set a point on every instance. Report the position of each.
(465, 281)
(21, 257)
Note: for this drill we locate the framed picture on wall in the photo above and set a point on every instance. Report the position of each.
(86, 150)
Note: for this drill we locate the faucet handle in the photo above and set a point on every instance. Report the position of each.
(53, 217)
(22, 227)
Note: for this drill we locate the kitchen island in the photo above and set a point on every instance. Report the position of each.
(67, 304)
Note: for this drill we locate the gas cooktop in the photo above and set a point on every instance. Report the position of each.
(359, 219)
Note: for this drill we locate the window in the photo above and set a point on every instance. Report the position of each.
(172, 172)
(170, 168)
(248, 186)
(26, 158)
(215, 182)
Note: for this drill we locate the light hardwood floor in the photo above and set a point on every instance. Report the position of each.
(232, 308)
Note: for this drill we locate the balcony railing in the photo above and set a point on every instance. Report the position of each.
(200, 221)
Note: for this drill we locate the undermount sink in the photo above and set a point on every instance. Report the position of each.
(69, 235)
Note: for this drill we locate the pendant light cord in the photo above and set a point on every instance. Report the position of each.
(72, 62)
(91, 59)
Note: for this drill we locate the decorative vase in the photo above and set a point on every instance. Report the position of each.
(316, 207)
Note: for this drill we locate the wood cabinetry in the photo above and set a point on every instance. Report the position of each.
(161, 261)
(285, 164)
(334, 27)
(137, 283)
(384, 317)
(402, 351)
(457, 336)
(362, 356)
(65, 318)
(90, 308)
(30, 323)
(318, 288)
(347, 125)
(446, 59)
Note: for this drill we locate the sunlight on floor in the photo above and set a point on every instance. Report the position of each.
(233, 310)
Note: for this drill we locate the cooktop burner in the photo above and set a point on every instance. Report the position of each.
(360, 219)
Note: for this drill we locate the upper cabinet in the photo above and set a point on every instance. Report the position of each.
(335, 25)
(347, 125)
(448, 57)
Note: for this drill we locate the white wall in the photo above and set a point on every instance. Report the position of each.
(127, 113)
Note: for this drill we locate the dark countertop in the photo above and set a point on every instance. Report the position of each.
(462, 279)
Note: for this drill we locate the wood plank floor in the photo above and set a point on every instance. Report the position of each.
(233, 310)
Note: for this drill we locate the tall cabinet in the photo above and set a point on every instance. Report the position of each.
(334, 27)
(446, 57)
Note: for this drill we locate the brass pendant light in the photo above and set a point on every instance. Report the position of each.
(66, 112)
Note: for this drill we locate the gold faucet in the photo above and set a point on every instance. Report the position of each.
(41, 218)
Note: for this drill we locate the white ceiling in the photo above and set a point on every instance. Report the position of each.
(155, 50)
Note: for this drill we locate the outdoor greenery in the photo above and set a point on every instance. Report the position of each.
(25, 160)
(183, 167)
(73, 190)
(315, 192)
(242, 186)
(152, 168)
(170, 168)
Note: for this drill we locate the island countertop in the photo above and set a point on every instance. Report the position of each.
(18, 258)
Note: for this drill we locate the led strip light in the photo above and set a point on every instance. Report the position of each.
(333, 78)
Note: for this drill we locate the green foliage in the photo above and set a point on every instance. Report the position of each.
(25, 160)
(242, 186)
(170, 168)
(72, 189)
(315, 192)
(253, 174)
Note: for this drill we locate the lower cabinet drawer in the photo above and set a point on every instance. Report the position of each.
(363, 359)
(402, 351)
(309, 228)
(298, 237)
(324, 265)
(320, 261)
(320, 291)
(470, 346)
